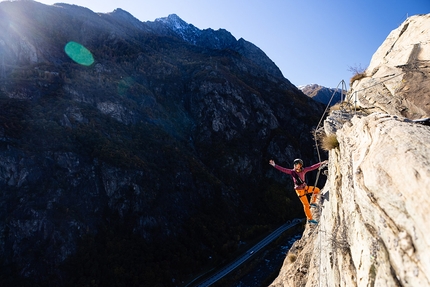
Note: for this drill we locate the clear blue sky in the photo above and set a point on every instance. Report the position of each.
(311, 41)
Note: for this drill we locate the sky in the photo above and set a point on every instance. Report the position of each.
(311, 41)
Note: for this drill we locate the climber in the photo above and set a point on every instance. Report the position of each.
(302, 189)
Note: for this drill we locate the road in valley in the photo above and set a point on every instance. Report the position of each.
(263, 243)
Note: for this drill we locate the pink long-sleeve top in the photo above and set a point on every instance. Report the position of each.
(300, 174)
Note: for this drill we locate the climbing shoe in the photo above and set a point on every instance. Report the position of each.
(314, 205)
(313, 221)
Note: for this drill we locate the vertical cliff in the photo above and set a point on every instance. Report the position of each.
(373, 209)
(397, 79)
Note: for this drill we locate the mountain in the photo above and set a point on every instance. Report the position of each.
(136, 153)
(373, 228)
(322, 94)
(220, 39)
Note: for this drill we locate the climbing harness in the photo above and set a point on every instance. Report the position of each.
(308, 190)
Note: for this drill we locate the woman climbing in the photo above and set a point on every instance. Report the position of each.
(302, 189)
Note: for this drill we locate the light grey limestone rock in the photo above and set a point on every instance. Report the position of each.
(397, 78)
(373, 223)
(373, 220)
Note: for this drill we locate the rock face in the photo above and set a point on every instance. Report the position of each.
(397, 80)
(373, 228)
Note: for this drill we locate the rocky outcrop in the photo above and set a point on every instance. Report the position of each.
(373, 228)
(373, 210)
(397, 80)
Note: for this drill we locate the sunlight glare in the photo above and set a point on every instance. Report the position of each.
(79, 53)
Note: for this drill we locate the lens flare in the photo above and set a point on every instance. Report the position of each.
(79, 53)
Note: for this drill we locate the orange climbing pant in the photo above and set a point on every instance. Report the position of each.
(301, 193)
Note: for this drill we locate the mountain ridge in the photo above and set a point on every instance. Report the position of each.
(323, 94)
(158, 149)
(219, 39)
